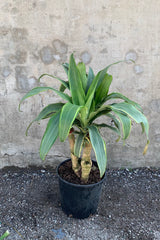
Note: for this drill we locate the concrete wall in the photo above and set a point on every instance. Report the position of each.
(36, 36)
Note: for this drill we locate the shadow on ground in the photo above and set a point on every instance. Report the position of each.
(129, 207)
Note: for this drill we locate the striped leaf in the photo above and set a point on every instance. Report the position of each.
(126, 124)
(62, 87)
(99, 148)
(78, 145)
(37, 90)
(64, 83)
(47, 112)
(101, 125)
(91, 93)
(68, 115)
(102, 90)
(132, 112)
(96, 83)
(90, 78)
(115, 120)
(100, 112)
(82, 70)
(99, 77)
(50, 109)
(75, 82)
(66, 67)
(116, 95)
(92, 88)
(50, 135)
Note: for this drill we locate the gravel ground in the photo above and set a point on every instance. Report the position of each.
(129, 207)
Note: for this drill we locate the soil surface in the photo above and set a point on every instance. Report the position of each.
(129, 207)
(66, 172)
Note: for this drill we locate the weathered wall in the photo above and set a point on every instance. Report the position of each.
(36, 36)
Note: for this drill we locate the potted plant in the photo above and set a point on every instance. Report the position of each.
(75, 119)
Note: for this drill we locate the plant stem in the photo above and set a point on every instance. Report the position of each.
(75, 161)
(86, 162)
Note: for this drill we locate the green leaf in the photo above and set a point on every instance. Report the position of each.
(126, 124)
(37, 90)
(82, 70)
(50, 135)
(78, 145)
(116, 95)
(92, 88)
(90, 104)
(132, 112)
(100, 112)
(103, 72)
(68, 115)
(115, 120)
(62, 87)
(116, 130)
(106, 69)
(83, 116)
(46, 112)
(90, 78)
(75, 82)
(51, 108)
(96, 83)
(77, 123)
(143, 127)
(102, 90)
(6, 234)
(99, 148)
(90, 94)
(66, 67)
(64, 83)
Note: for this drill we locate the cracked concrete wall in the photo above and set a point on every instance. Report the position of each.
(37, 36)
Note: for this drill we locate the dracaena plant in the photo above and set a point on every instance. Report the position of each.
(75, 119)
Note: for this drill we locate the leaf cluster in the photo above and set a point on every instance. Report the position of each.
(87, 101)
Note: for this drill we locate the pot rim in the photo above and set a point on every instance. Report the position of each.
(79, 185)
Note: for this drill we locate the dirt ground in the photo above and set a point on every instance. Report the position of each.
(129, 207)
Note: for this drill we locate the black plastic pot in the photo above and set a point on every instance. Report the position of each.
(80, 201)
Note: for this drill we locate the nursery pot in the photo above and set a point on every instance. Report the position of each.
(79, 201)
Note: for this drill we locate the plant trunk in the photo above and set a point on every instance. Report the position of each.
(75, 161)
(86, 162)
